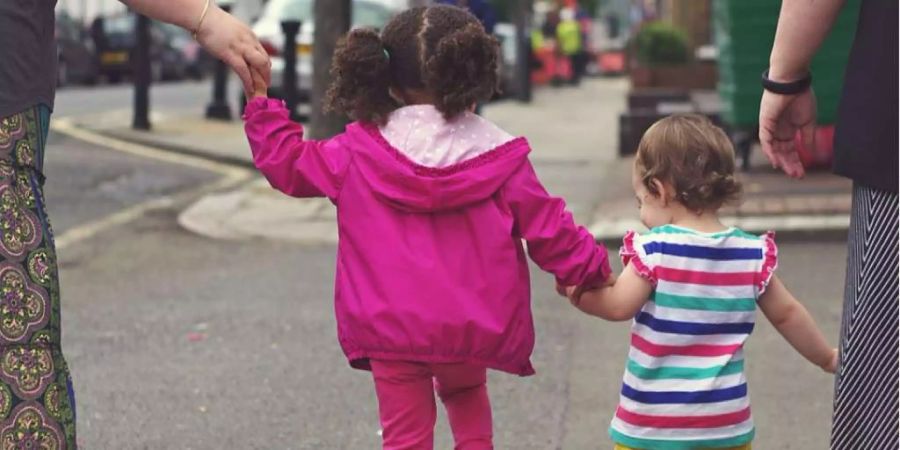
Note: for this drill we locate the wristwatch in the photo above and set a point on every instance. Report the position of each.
(790, 88)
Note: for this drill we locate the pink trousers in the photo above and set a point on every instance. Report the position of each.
(406, 404)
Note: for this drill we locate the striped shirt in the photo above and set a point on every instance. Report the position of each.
(684, 385)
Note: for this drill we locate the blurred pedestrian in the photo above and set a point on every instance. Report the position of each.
(37, 403)
(866, 151)
(433, 203)
(482, 9)
(571, 45)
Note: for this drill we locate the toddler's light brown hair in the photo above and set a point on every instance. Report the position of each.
(694, 157)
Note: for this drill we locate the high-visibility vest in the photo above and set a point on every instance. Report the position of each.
(537, 40)
(568, 33)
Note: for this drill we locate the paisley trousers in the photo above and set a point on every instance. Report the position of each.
(37, 404)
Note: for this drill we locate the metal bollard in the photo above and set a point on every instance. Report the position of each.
(141, 118)
(218, 108)
(523, 51)
(290, 28)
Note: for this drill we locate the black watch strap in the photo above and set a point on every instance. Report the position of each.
(789, 88)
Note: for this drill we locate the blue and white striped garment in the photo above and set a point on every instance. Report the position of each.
(684, 385)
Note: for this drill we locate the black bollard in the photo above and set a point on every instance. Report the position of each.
(218, 108)
(523, 51)
(290, 28)
(141, 64)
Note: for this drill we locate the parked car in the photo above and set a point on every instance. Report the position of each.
(366, 13)
(198, 62)
(77, 59)
(115, 40)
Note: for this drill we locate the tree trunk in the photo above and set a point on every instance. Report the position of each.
(332, 21)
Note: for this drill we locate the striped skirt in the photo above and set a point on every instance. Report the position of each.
(865, 400)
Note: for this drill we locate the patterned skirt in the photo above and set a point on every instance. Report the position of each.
(37, 405)
(865, 398)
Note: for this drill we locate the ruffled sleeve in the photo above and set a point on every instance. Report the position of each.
(633, 252)
(769, 262)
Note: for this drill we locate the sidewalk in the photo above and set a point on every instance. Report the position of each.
(573, 132)
(816, 206)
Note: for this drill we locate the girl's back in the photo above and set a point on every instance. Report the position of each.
(430, 261)
(432, 285)
(687, 340)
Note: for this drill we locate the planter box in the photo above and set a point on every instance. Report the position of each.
(632, 126)
(650, 98)
(689, 76)
(646, 106)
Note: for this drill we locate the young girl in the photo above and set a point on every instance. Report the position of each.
(692, 286)
(433, 203)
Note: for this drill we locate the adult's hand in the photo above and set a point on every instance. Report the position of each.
(780, 117)
(230, 40)
(220, 34)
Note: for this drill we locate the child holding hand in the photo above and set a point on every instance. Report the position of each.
(433, 203)
(692, 286)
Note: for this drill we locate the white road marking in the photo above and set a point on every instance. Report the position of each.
(231, 176)
(67, 127)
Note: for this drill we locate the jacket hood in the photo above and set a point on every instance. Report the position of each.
(398, 181)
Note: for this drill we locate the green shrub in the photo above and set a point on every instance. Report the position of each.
(659, 43)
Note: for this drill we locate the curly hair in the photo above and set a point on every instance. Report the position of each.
(694, 157)
(441, 49)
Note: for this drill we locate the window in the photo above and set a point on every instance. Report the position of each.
(289, 10)
(370, 15)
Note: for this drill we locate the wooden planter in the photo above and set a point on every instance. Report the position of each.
(687, 76)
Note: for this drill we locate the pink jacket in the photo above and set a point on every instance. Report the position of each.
(430, 265)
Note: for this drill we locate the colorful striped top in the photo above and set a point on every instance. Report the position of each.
(684, 384)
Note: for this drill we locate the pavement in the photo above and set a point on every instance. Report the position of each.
(179, 340)
(583, 132)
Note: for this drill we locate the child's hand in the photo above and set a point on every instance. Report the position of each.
(574, 295)
(611, 281)
(574, 292)
(259, 85)
(561, 290)
(832, 364)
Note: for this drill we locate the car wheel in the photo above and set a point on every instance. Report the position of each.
(62, 73)
(196, 72)
(91, 79)
(182, 72)
(242, 104)
(156, 71)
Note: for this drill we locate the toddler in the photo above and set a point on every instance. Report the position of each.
(692, 286)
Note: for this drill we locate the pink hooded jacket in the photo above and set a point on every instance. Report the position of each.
(430, 265)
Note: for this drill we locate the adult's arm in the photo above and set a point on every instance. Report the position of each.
(222, 35)
(802, 26)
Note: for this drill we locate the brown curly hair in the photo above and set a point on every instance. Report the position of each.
(694, 157)
(442, 50)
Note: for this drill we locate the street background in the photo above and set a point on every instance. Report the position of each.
(197, 302)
